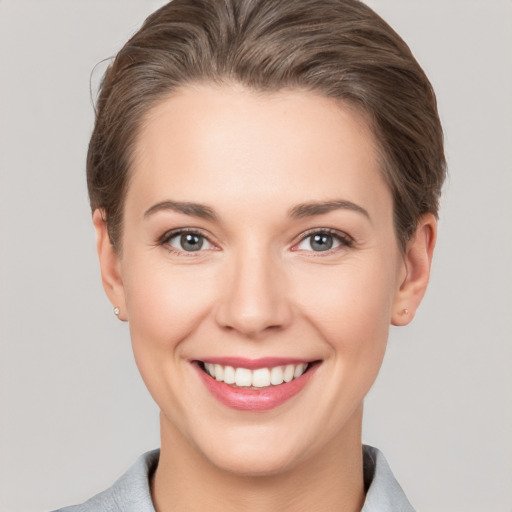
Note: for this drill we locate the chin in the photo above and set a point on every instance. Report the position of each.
(251, 450)
(249, 462)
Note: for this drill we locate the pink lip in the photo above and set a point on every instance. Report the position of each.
(263, 399)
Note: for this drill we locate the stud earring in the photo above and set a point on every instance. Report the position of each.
(405, 311)
(116, 311)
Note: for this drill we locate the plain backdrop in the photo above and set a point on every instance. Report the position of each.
(74, 411)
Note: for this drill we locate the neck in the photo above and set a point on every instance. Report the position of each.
(332, 480)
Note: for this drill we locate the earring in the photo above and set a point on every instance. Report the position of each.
(405, 311)
(116, 311)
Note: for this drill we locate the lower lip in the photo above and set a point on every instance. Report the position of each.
(255, 399)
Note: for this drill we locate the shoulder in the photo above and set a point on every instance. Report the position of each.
(130, 493)
(383, 492)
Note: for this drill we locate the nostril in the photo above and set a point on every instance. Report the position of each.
(253, 316)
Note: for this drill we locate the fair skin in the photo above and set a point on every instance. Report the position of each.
(252, 282)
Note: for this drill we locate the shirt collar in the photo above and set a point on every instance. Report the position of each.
(383, 492)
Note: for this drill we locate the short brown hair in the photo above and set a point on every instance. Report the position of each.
(338, 48)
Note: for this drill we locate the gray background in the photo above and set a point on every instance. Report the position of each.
(75, 413)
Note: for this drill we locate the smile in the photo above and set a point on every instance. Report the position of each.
(259, 378)
(264, 386)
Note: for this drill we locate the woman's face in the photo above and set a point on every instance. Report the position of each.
(258, 236)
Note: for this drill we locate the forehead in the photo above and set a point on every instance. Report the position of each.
(218, 143)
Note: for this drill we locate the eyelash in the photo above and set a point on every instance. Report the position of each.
(344, 240)
(169, 235)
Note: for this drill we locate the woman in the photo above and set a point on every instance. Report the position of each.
(264, 179)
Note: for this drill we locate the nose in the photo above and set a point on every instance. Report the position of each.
(254, 301)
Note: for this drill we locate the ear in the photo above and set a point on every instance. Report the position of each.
(110, 265)
(417, 260)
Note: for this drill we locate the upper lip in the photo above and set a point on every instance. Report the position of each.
(254, 364)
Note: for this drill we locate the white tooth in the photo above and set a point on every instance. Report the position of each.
(276, 375)
(243, 377)
(210, 369)
(229, 375)
(288, 372)
(299, 370)
(261, 378)
(219, 372)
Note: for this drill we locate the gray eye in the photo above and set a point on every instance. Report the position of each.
(321, 242)
(189, 242)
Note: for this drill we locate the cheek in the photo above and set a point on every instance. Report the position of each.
(349, 305)
(165, 304)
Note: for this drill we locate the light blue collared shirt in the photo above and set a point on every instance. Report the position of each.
(131, 493)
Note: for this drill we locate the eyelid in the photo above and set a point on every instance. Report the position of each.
(346, 241)
(168, 235)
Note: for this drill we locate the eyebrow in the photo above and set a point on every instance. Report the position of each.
(299, 211)
(194, 209)
(319, 208)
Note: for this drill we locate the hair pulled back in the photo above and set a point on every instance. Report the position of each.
(338, 48)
